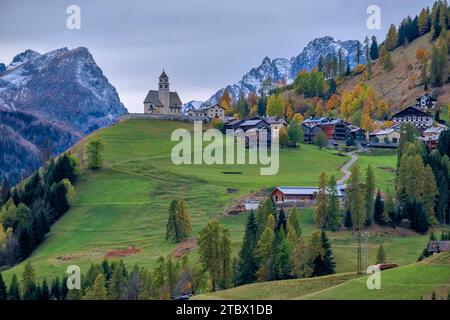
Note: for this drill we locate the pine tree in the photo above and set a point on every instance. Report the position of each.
(302, 265)
(98, 290)
(368, 61)
(430, 193)
(391, 41)
(226, 102)
(358, 53)
(324, 263)
(55, 289)
(14, 289)
(369, 195)
(381, 255)
(293, 221)
(321, 208)
(29, 282)
(423, 22)
(439, 64)
(117, 282)
(348, 222)
(172, 229)
(374, 49)
(386, 59)
(184, 220)
(332, 207)
(264, 252)
(378, 215)
(45, 292)
(209, 246)
(247, 256)
(226, 272)
(283, 258)
(3, 289)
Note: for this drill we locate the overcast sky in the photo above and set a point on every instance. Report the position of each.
(202, 44)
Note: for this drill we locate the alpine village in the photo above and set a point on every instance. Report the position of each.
(363, 180)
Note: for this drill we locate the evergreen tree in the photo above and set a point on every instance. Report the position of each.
(348, 222)
(369, 195)
(117, 283)
(356, 199)
(386, 59)
(226, 272)
(439, 64)
(378, 215)
(55, 289)
(29, 282)
(283, 260)
(247, 257)
(3, 289)
(324, 263)
(368, 60)
(281, 221)
(332, 207)
(358, 53)
(415, 212)
(98, 290)
(302, 265)
(391, 41)
(381, 255)
(45, 292)
(423, 23)
(265, 251)
(374, 49)
(293, 221)
(14, 289)
(320, 64)
(430, 193)
(184, 219)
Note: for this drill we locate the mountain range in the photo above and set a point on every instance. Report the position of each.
(280, 70)
(50, 100)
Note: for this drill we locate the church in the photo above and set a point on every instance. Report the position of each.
(162, 101)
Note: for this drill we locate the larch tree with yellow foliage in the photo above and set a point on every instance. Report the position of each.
(226, 102)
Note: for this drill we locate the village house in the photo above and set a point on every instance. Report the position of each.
(162, 101)
(334, 129)
(426, 102)
(385, 138)
(293, 195)
(276, 123)
(215, 111)
(431, 135)
(232, 124)
(420, 119)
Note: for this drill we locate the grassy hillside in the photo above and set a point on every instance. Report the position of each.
(414, 281)
(126, 203)
(399, 86)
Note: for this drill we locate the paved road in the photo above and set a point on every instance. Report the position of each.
(345, 168)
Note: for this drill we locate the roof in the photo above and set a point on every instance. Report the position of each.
(383, 132)
(206, 107)
(439, 246)
(249, 123)
(275, 120)
(307, 190)
(153, 97)
(411, 110)
(426, 95)
(435, 129)
(233, 122)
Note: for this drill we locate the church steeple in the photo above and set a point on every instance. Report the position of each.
(163, 81)
(163, 90)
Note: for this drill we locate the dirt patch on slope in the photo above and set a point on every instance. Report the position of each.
(184, 247)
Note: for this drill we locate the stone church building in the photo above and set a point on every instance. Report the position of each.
(162, 101)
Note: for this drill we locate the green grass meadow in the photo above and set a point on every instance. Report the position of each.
(126, 202)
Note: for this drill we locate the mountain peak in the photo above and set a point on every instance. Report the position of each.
(23, 57)
(285, 70)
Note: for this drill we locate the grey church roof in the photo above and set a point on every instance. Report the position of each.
(152, 97)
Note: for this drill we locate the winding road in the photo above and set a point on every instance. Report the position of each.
(345, 168)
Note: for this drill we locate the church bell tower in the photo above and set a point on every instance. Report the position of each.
(163, 90)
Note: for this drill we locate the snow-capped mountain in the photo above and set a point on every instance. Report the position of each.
(63, 85)
(53, 98)
(191, 105)
(281, 70)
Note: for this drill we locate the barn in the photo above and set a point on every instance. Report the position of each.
(300, 194)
